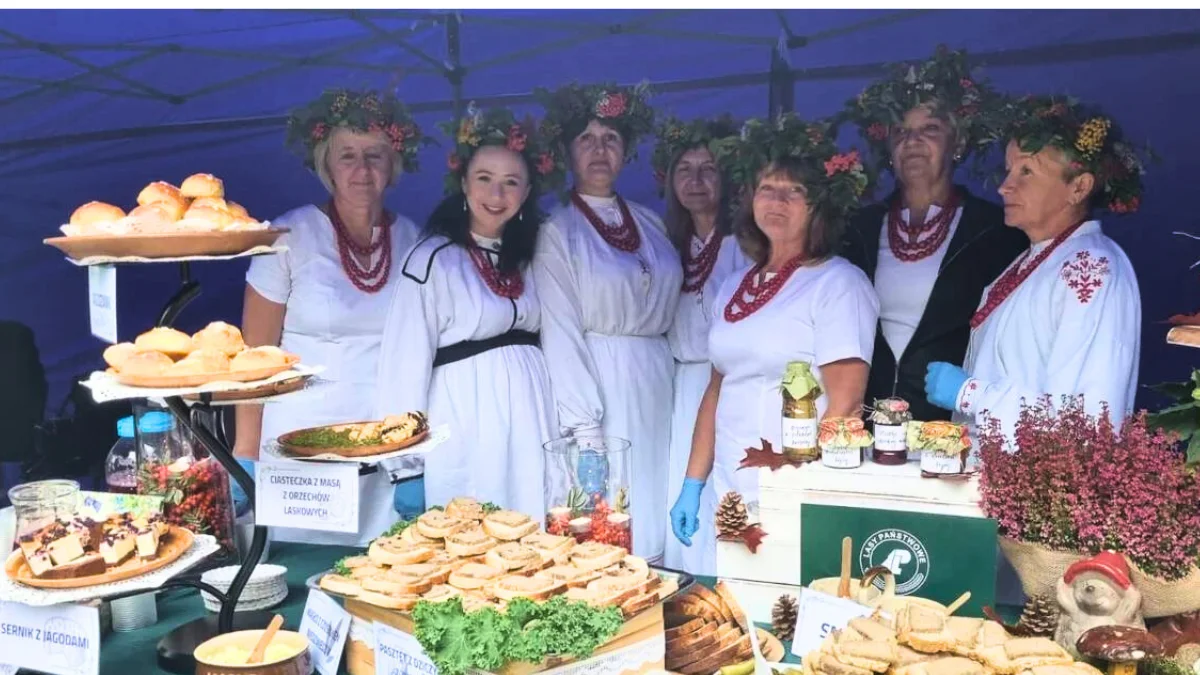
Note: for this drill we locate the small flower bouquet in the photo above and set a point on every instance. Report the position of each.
(842, 440)
(1076, 485)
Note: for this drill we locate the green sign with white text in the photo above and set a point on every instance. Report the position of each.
(932, 556)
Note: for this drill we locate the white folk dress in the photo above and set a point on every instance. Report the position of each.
(1072, 327)
(329, 322)
(688, 338)
(822, 314)
(497, 402)
(605, 314)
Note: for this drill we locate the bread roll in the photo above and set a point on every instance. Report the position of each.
(237, 210)
(260, 357)
(116, 355)
(220, 336)
(146, 363)
(158, 191)
(211, 203)
(166, 340)
(202, 185)
(153, 218)
(94, 213)
(219, 218)
(201, 362)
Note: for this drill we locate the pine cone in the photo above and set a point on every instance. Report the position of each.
(783, 617)
(1040, 616)
(732, 516)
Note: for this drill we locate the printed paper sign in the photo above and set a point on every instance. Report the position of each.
(101, 505)
(102, 301)
(818, 615)
(398, 653)
(59, 639)
(326, 626)
(308, 496)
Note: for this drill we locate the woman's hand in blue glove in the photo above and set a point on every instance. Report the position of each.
(685, 514)
(943, 381)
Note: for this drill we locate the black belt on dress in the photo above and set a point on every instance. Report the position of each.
(468, 348)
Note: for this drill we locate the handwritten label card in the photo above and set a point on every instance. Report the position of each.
(326, 626)
(59, 639)
(398, 653)
(102, 301)
(307, 495)
(818, 615)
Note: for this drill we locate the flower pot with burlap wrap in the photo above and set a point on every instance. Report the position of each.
(1038, 567)
(1166, 598)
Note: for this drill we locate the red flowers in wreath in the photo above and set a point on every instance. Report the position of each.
(611, 105)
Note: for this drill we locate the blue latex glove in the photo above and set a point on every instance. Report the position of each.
(943, 381)
(408, 497)
(686, 512)
(240, 503)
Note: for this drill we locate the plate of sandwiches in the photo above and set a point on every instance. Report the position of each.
(193, 219)
(83, 552)
(489, 557)
(358, 439)
(165, 358)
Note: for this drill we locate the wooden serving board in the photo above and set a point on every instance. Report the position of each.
(171, 547)
(179, 381)
(165, 245)
(284, 442)
(263, 391)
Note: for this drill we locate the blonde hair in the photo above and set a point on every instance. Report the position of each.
(321, 164)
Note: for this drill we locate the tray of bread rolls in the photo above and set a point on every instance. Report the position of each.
(488, 557)
(83, 552)
(163, 357)
(190, 220)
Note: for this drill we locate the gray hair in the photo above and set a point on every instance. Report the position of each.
(321, 165)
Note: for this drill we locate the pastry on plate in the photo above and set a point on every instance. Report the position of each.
(220, 336)
(115, 355)
(91, 214)
(201, 185)
(146, 364)
(238, 210)
(156, 218)
(166, 340)
(219, 219)
(158, 191)
(256, 358)
(201, 362)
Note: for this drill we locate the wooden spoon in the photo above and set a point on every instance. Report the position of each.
(844, 581)
(260, 649)
(957, 604)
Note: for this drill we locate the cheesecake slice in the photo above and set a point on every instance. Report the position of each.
(64, 545)
(118, 546)
(147, 543)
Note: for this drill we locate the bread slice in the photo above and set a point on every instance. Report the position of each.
(690, 604)
(951, 665)
(730, 606)
(732, 653)
(595, 556)
(439, 525)
(966, 633)
(569, 575)
(469, 542)
(639, 603)
(704, 594)
(549, 546)
(517, 586)
(401, 603)
(1022, 654)
(391, 551)
(924, 629)
(474, 576)
(441, 593)
(1077, 668)
(511, 556)
(412, 534)
(509, 525)
(436, 574)
(687, 628)
(872, 630)
(829, 665)
(691, 644)
(367, 571)
(336, 583)
(396, 585)
(465, 508)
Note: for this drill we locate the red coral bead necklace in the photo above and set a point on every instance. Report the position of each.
(750, 296)
(623, 236)
(1016, 274)
(910, 247)
(504, 284)
(347, 247)
(697, 268)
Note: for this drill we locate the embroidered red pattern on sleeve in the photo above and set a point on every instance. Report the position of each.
(1085, 274)
(966, 396)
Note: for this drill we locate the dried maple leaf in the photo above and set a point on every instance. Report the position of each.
(766, 457)
(751, 536)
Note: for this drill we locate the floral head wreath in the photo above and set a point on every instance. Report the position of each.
(835, 180)
(944, 83)
(364, 112)
(498, 126)
(569, 109)
(1091, 142)
(675, 137)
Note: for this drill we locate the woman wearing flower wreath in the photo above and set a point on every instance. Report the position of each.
(797, 302)
(608, 279)
(325, 298)
(461, 338)
(1066, 317)
(931, 247)
(698, 220)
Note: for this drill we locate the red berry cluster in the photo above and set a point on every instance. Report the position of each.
(197, 498)
(607, 533)
(559, 526)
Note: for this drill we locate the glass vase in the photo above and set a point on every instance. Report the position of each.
(587, 489)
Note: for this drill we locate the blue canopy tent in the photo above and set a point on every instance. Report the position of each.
(95, 104)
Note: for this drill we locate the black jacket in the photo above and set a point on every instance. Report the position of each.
(981, 248)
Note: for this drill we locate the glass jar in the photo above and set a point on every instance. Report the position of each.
(120, 467)
(587, 490)
(42, 502)
(193, 485)
(889, 422)
(799, 433)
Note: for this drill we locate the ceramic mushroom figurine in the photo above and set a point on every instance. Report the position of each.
(1096, 592)
(1122, 647)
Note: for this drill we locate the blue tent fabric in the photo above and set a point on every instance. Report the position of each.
(95, 104)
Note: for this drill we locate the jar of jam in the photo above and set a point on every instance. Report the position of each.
(842, 441)
(889, 421)
(798, 434)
